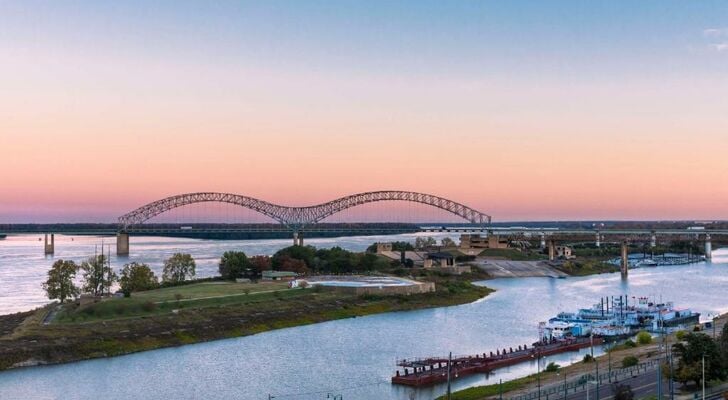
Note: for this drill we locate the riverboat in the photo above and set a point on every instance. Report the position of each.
(617, 317)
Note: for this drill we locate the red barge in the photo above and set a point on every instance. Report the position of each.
(433, 370)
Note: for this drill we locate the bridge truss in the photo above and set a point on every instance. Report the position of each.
(296, 218)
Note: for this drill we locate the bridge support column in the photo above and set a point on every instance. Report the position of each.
(599, 240)
(49, 247)
(122, 244)
(543, 241)
(300, 238)
(295, 238)
(653, 240)
(552, 250)
(708, 248)
(625, 259)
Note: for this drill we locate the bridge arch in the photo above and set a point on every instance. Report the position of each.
(297, 217)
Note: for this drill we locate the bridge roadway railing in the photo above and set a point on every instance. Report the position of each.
(580, 384)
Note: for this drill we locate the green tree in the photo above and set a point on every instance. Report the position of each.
(447, 242)
(303, 253)
(136, 278)
(260, 264)
(234, 264)
(622, 391)
(60, 281)
(178, 268)
(425, 241)
(287, 263)
(98, 275)
(629, 361)
(552, 367)
(723, 345)
(644, 337)
(691, 353)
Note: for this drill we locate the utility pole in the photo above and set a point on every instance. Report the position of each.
(538, 372)
(597, 377)
(703, 376)
(659, 382)
(500, 389)
(449, 363)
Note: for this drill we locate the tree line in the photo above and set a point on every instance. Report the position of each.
(98, 276)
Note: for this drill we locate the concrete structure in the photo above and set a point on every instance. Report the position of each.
(708, 248)
(564, 252)
(416, 288)
(122, 244)
(653, 239)
(599, 240)
(624, 268)
(49, 247)
(441, 259)
(278, 275)
(473, 241)
(552, 250)
(384, 247)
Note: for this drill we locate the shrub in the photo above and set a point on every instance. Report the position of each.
(680, 335)
(552, 367)
(149, 306)
(644, 338)
(629, 361)
(588, 358)
(630, 343)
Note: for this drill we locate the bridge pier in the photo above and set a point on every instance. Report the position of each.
(543, 241)
(49, 247)
(298, 238)
(599, 239)
(653, 240)
(122, 244)
(625, 259)
(708, 248)
(552, 250)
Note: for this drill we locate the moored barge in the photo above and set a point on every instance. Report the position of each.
(433, 370)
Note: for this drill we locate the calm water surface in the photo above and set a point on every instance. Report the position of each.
(23, 267)
(355, 357)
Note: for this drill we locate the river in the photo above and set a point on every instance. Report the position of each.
(355, 357)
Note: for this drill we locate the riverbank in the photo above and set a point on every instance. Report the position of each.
(612, 359)
(122, 326)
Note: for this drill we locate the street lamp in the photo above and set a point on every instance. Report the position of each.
(538, 371)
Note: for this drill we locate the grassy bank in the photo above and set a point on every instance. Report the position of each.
(197, 313)
(482, 392)
(584, 267)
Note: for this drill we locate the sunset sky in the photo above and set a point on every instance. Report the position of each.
(526, 110)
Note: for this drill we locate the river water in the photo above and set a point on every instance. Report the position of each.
(355, 357)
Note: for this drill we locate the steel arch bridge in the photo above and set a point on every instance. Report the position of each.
(296, 218)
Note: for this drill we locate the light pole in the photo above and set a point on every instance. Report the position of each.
(538, 371)
(703, 376)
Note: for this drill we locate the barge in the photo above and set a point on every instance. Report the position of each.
(433, 370)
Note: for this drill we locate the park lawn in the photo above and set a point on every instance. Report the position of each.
(208, 289)
(163, 301)
(482, 392)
